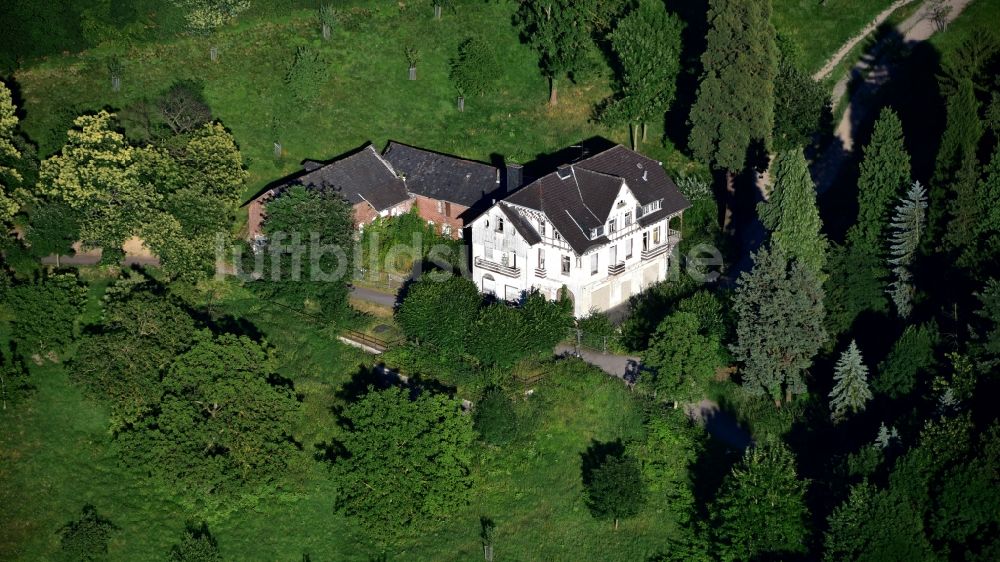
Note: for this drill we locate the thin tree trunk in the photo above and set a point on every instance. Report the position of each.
(633, 129)
(553, 92)
(326, 32)
(616, 523)
(413, 73)
(437, 12)
(644, 131)
(461, 103)
(727, 218)
(788, 395)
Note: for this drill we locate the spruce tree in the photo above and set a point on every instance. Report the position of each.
(851, 390)
(885, 169)
(907, 225)
(791, 213)
(735, 103)
(984, 244)
(779, 309)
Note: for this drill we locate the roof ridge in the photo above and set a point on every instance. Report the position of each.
(382, 160)
(582, 199)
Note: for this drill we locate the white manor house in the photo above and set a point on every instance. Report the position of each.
(601, 227)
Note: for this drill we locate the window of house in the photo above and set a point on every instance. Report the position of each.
(656, 236)
(440, 207)
(596, 232)
(645, 241)
(628, 218)
(499, 224)
(628, 248)
(446, 229)
(556, 235)
(447, 209)
(565, 265)
(541, 227)
(614, 255)
(612, 226)
(593, 264)
(579, 262)
(541, 258)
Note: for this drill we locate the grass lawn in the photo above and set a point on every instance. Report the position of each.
(820, 28)
(367, 96)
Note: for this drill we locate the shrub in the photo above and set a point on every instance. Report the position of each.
(306, 73)
(476, 68)
(495, 418)
(87, 537)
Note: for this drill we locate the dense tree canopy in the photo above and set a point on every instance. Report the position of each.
(684, 359)
(647, 45)
(779, 307)
(615, 489)
(761, 508)
(735, 104)
(221, 434)
(791, 214)
(409, 459)
(10, 178)
(440, 311)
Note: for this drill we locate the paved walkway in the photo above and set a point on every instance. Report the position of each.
(625, 367)
(379, 298)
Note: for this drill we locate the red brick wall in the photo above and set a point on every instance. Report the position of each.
(428, 210)
(365, 214)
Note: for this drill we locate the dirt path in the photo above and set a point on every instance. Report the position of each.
(845, 49)
(872, 71)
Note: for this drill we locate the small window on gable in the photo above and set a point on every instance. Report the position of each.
(541, 227)
(499, 224)
(440, 205)
(565, 265)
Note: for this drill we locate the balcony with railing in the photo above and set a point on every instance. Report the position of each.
(616, 269)
(540, 272)
(498, 268)
(673, 237)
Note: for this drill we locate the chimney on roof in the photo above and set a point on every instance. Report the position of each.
(513, 177)
(564, 171)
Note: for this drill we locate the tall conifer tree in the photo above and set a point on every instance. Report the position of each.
(851, 390)
(735, 103)
(884, 171)
(779, 309)
(791, 213)
(908, 226)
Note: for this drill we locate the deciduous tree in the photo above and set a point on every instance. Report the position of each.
(683, 358)
(476, 68)
(615, 489)
(559, 31)
(198, 545)
(220, 437)
(647, 44)
(87, 537)
(44, 313)
(761, 508)
(10, 177)
(95, 174)
(440, 311)
(409, 459)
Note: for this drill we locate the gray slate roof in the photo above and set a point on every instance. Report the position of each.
(443, 177)
(579, 197)
(363, 176)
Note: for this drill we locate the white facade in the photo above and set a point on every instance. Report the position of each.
(634, 256)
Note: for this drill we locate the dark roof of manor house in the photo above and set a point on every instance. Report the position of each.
(362, 176)
(443, 177)
(578, 197)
